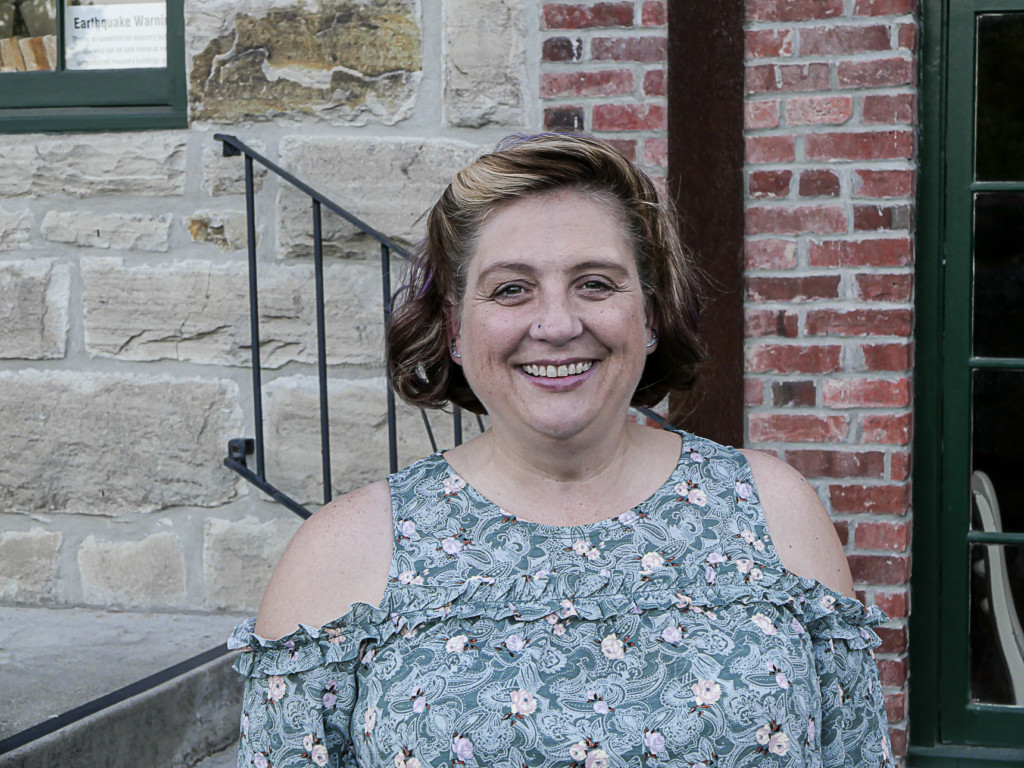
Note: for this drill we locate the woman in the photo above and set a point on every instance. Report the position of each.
(569, 588)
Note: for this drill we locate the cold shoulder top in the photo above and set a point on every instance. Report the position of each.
(670, 635)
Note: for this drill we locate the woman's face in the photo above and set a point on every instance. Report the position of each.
(553, 327)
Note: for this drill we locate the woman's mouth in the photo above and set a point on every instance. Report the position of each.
(557, 371)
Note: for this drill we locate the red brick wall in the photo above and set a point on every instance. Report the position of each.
(830, 140)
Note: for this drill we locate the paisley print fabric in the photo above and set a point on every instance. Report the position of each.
(670, 635)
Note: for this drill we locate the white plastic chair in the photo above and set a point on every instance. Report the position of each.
(1011, 636)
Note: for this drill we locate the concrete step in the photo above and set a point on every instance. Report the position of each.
(52, 661)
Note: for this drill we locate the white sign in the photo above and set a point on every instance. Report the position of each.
(128, 36)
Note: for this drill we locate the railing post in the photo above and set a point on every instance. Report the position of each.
(385, 280)
(321, 348)
(254, 318)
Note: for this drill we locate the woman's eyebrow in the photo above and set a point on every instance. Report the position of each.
(529, 269)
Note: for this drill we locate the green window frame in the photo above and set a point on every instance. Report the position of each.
(92, 100)
(946, 727)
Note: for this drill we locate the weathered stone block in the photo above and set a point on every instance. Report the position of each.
(239, 556)
(133, 574)
(198, 311)
(14, 228)
(40, 17)
(358, 431)
(6, 19)
(226, 175)
(226, 230)
(34, 299)
(342, 60)
(28, 565)
(143, 163)
(94, 443)
(484, 63)
(119, 231)
(388, 183)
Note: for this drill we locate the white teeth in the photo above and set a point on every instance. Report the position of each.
(553, 372)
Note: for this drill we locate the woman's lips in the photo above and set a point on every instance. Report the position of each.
(542, 371)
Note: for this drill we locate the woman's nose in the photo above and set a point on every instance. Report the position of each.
(557, 322)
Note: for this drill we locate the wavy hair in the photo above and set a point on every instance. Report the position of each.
(418, 361)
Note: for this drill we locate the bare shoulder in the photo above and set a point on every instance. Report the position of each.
(804, 536)
(341, 555)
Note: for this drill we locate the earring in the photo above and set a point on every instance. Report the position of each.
(455, 352)
(651, 343)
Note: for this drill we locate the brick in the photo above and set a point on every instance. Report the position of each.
(893, 429)
(900, 466)
(753, 392)
(875, 218)
(654, 13)
(866, 393)
(859, 322)
(889, 109)
(761, 114)
(906, 36)
(792, 289)
(625, 147)
(793, 10)
(770, 149)
(888, 252)
(656, 152)
(769, 254)
(842, 531)
(876, 499)
(876, 73)
(818, 219)
(884, 7)
(794, 393)
(843, 39)
(645, 49)
(872, 286)
(793, 358)
(829, 463)
(654, 83)
(629, 117)
(880, 569)
(563, 119)
(764, 78)
(894, 639)
(861, 145)
(895, 604)
(562, 49)
(818, 110)
(819, 183)
(613, 82)
(895, 707)
(883, 183)
(770, 322)
(768, 43)
(796, 428)
(894, 537)
(898, 739)
(893, 672)
(769, 184)
(887, 357)
(586, 16)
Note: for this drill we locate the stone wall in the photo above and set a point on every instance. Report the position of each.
(124, 349)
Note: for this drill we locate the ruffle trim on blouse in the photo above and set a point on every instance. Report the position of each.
(822, 612)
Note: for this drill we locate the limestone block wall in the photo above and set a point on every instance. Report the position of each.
(124, 342)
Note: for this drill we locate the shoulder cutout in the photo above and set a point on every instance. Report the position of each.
(801, 529)
(341, 555)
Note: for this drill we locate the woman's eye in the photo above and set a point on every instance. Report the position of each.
(595, 285)
(508, 291)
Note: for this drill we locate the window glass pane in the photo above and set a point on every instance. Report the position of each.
(997, 642)
(28, 35)
(999, 153)
(997, 451)
(999, 274)
(115, 35)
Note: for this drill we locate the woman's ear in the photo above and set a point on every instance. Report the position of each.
(452, 326)
(652, 324)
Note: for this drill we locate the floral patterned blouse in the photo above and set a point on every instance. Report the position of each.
(670, 635)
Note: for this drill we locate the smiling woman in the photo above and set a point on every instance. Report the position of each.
(569, 588)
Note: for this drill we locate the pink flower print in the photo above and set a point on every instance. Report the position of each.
(650, 561)
(567, 608)
(580, 547)
(245, 724)
(683, 602)
(456, 644)
(827, 602)
(682, 490)
(759, 545)
(605, 573)
(778, 744)
(600, 705)
(319, 754)
(597, 758)
(419, 701)
(406, 528)
(612, 647)
(558, 629)
(780, 678)
(745, 492)
(543, 573)
(410, 577)
(796, 626)
(453, 484)
(810, 731)
(654, 741)
(259, 760)
(451, 546)
(413, 762)
(697, 497)
(695, 456)
(330, 697)
(578, 751)
(629, 517)
(763, 735)
(764, 623)
(335, 636)
(308, 741)
(673, 634)
(523, 702)
(593, 554)
(369, 655)
(709, 574)
(706, 692)
(748, 536)
(369, 720)
(514, 644)
(756, 574)
(717, 558)
(275, 688)
(551, 618)
(743, 565)
(462, 747)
